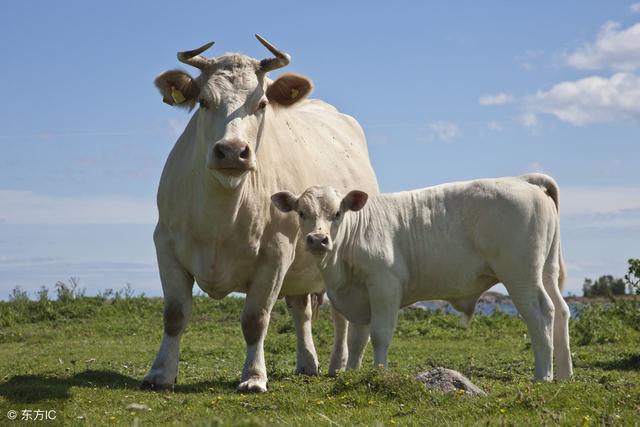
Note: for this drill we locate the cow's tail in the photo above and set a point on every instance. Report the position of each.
(316, 301)
(550, 187)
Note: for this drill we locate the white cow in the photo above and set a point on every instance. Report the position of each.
(250, 137)
(449, 242)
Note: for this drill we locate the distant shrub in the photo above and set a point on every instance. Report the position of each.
(18, 295)
(69, 291)
(597, 324)
(633, 276)
(604, 286)
(43, 294)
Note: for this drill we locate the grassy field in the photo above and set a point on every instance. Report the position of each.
(84, 359)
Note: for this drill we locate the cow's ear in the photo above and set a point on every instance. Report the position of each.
(178, 88)
(354, 201)
(288, 89)
(284, 201)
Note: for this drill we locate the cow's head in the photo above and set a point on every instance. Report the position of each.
(320, 212)
(234, 97)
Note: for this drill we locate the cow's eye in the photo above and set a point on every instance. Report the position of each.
(204, 104)
(301, 215)
(337, 216)
(262, 105)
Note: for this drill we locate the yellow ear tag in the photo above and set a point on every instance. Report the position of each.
(177, 96)
(294, 93)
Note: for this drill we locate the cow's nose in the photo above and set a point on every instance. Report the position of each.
(232, 153)
(318, 242)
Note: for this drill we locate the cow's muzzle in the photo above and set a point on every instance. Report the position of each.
(232, 157)
(318, 243)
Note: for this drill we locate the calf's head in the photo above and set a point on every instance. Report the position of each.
(320, 212)
(234, 97)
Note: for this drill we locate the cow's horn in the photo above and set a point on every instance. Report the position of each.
(281, 58)
(193, 58)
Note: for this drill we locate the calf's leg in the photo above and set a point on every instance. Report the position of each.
(551, 278)
(339, 353)
(537, 310)
(300, 309)
(384, 300)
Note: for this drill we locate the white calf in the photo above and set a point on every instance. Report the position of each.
(450, 242)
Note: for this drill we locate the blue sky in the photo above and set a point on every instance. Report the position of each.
(444, 90)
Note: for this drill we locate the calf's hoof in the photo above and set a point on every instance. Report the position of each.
(334, 372)
(253, 385)
(152, 384)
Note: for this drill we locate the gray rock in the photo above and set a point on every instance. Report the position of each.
(448, 380)
(137, 407)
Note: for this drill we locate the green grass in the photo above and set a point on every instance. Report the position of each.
(85, 358)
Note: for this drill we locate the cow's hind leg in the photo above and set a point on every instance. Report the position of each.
(177, 286)
(306, 358)
(561, 350)
(537, 310)
(339, 352)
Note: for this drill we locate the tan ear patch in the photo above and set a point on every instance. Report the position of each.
(289, 89)
(178, 97)
(178, 88)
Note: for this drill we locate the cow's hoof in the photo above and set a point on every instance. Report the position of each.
(148, 385)
(253, 385)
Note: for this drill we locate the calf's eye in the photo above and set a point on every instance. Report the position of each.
(203, 104)
(301, 215)
(337, 216)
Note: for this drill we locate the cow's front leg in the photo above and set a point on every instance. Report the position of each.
(301, 311)
(358, 338)
(261, 297)
(177, 285)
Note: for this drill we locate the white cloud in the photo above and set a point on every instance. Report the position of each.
(25, 207)
(535, 167)
(577, 201)
(635, 8)
(591, 100)
(614, 48)
(497, 99)
(529, 120)
(444, 131)
(494, 126)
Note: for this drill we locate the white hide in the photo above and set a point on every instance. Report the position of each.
(218, 227)
(449, 242)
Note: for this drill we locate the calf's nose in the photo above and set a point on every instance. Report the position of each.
(318, 242)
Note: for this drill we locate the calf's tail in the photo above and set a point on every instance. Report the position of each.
(550, 187)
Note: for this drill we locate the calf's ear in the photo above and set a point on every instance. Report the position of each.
(288, 89)
(178, 88)
(354, 201)
(284, 201)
